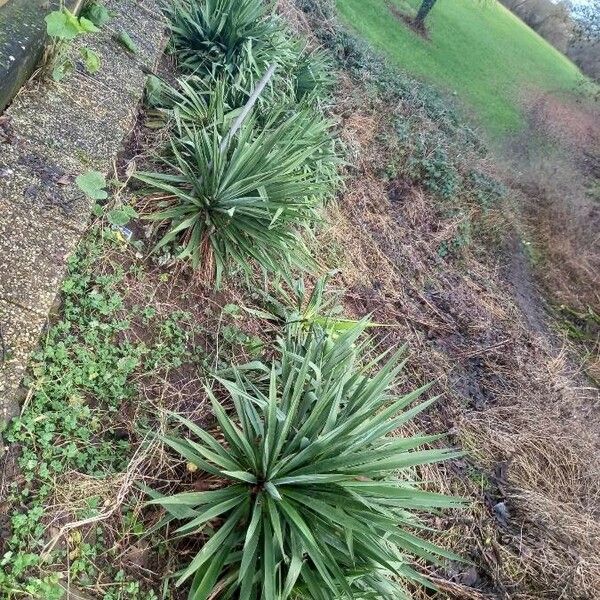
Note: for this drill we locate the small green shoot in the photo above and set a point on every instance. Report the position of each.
(125, 40)
(91, 60)
(119, 217)
(63, 27)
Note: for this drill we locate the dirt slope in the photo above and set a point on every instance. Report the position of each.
(474, 322)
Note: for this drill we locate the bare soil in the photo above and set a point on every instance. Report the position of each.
(409, 20)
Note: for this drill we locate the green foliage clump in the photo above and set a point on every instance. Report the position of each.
(63, 27)
(583, 327)
(220, 35)
(486, 189)
(316, 499)
(80, 379)
(246, 200)
(433, 168)
(241, 194)
(312, 75)
(236, 40)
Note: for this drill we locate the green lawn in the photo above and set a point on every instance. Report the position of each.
(477, 49)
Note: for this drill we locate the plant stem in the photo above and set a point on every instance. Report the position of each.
(248, 107)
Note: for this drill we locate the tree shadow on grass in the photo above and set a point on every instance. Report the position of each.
(407, 19)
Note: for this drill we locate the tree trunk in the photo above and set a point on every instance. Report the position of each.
(424, 10)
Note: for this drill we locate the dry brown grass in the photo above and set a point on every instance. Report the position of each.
(511, 395)
(556, 165)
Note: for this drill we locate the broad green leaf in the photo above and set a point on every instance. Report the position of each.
(93, 184)
(241, 476)
(154, 91)
(91, 60)
(122, 215)
(62, 25)
(62, 69)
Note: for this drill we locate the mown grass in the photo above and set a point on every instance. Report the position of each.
(478, 50)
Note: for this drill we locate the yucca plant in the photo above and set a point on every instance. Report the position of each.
(314, 496)
(223, 36)
(313, 75)
(191, 104)
(235, 40)
(296, 305)
(246, 201)
(187, 104)
(216, 32)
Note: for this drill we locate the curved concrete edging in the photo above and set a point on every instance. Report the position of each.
(22, 40)
(50, 134)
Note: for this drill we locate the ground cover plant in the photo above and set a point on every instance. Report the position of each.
(424, 139)
(73, 430)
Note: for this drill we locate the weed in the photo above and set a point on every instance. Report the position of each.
(434, 169)
(80, 379)
(63, 27)
(487, 190)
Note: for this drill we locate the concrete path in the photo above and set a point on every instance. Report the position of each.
(50, 134)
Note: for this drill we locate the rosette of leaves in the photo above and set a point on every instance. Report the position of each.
(226, 35)
(236, 40)
(313, 494)
(192, 105)
(247, 201)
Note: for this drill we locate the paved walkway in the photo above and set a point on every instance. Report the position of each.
(50, 134)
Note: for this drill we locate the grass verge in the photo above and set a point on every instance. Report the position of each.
(466, 51)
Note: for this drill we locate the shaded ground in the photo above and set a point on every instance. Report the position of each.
(519, 273)
(555, 163)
